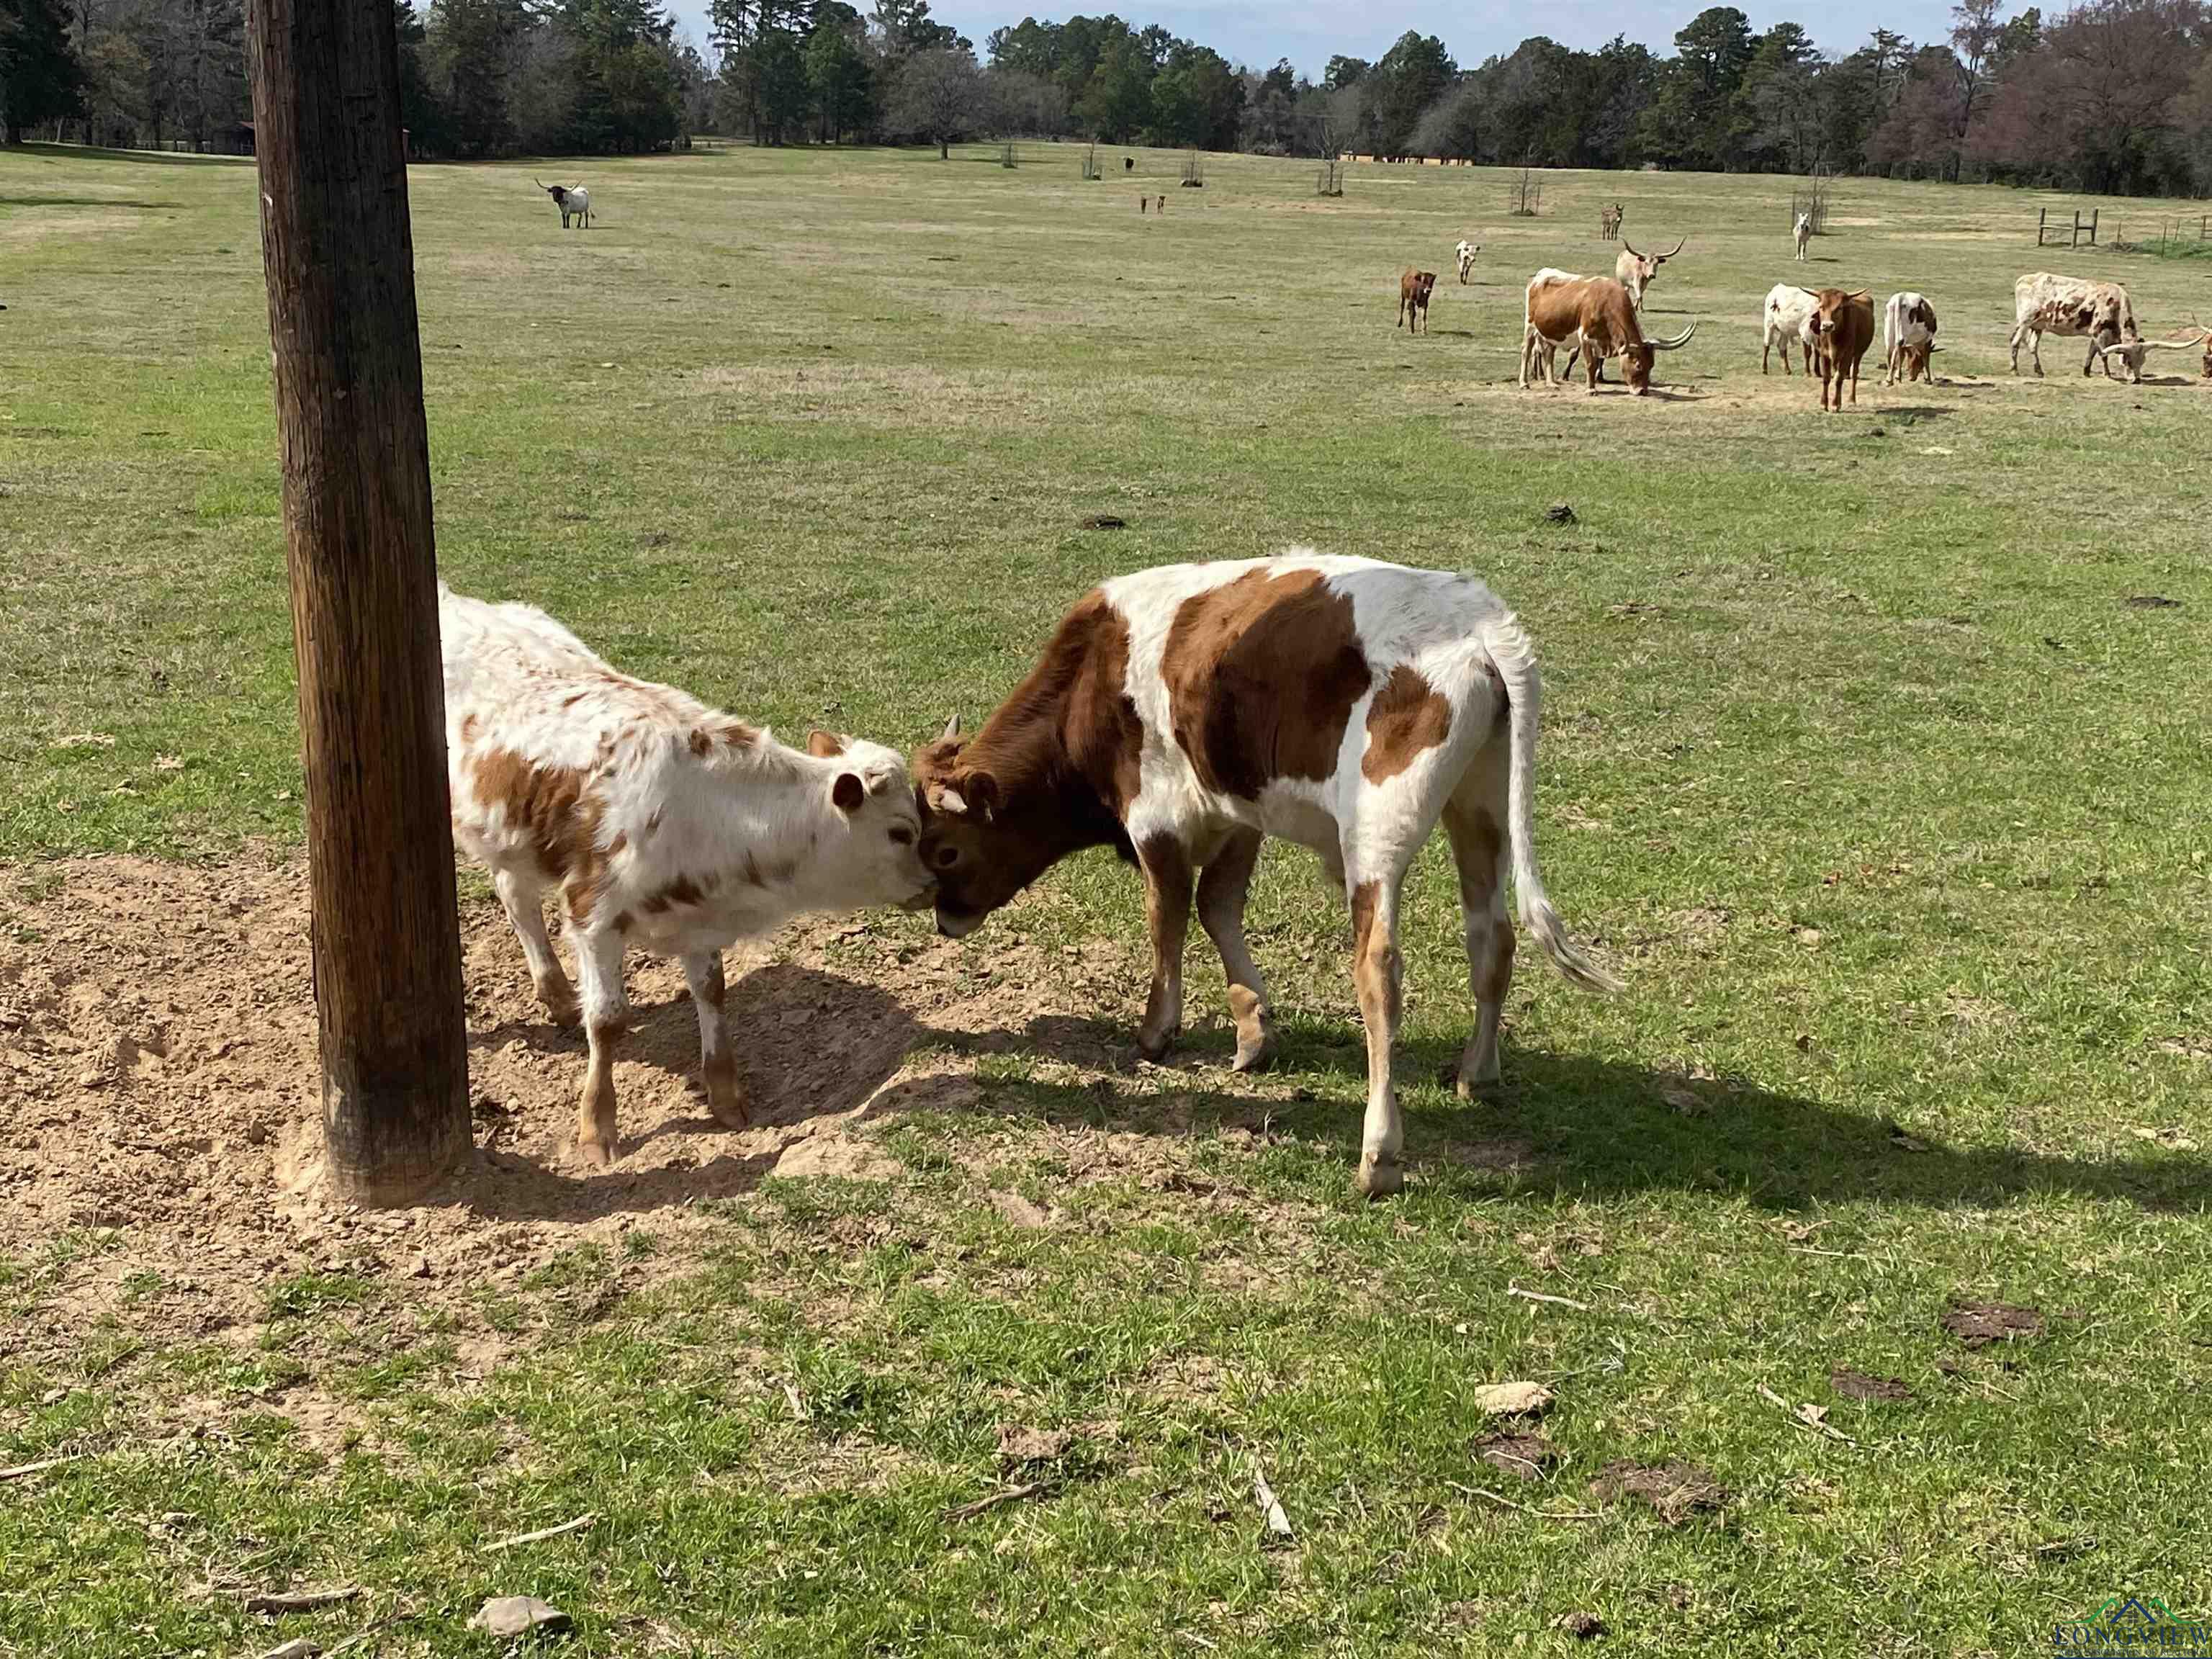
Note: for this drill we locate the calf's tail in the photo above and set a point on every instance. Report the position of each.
(1515, 657)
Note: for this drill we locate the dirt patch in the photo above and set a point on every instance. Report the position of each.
(1524, 1456)
(163, 1163)
(1857, 1385)
(1977, 1324)
(1675, 1490)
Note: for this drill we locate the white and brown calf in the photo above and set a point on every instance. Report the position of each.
(663, 825)
(1182, 714)
(1464, 255)
(1789, 315)
(1908, 338)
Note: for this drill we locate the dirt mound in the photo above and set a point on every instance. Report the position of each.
(157, 1053)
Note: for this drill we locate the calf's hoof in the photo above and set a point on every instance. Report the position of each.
(595, 1153)
(1377, 1179)
(1154, 1046)
(1477, 1087)
(727, 1104)
(1254, 1054)
(563, 1010)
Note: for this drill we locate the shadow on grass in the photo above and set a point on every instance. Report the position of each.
(811, 1044)
(15, 200)
(163, 158)
(1597, 1127)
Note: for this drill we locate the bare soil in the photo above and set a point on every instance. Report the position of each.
(157, 1060)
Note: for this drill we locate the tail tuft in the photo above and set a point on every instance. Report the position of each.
(1543, 920)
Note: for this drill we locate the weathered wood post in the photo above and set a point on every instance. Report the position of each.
(339, 257)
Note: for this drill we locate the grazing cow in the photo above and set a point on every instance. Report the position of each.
(1788, 316)
(1637, 271)
(1908, 338)
(1804, 235)
(664, 824)
(2045, 304)
(1843, 329)
(1180, 714)
(1596, 317)
(574, 201)
(1464, 253)
(1414, 287)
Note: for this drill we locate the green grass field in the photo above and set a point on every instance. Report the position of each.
(1868, 762)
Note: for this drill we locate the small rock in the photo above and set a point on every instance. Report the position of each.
(1561, 512)
(516, 1615)
(257, 1134)
(1582, 1626)
(420, 1267)
(298, 1647)
(1512, 1398)
(1105, 521)
(92, 1080)
(53, 1396)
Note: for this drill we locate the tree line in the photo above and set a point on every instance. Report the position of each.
(2113, 95)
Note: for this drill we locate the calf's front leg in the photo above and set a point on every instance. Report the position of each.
(606, 1016)
(1222, 887)
(718, 1065)
(1166, 865)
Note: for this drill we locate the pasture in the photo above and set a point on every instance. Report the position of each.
(1873, 760)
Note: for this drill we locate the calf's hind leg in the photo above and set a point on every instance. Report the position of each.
(1377, 972)
(1475, 819)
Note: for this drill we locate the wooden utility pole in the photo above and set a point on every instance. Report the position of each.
(340, 264)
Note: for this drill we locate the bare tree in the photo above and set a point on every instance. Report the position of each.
(940, 95)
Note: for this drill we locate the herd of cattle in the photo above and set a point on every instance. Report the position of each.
(1598, 317)
(1178, 715)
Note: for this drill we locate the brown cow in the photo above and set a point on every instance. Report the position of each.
(1843, 325)
(1414, 287)
(1180, 714)
(1596, 316)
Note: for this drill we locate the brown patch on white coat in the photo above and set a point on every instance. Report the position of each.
(1182, 714)
(661, 822)
(1908, 334)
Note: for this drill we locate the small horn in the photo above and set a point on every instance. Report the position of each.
(1681, 339)
(952, 729)
(940, 798)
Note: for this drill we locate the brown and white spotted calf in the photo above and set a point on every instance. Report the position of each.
(1180, 715)
(664, 824)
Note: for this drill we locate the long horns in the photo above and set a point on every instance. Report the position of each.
(1673, 251)
(1681, 339)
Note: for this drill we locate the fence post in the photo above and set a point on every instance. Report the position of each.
(2094, 212)
(339, 257)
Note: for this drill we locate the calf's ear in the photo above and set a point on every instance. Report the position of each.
(981, 790)
(824, 745)
(849, 792)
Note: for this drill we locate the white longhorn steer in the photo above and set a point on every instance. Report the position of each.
(574, 201)
(664, 824)
(1789, 314)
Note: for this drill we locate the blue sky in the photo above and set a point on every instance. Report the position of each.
(1258, 32)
